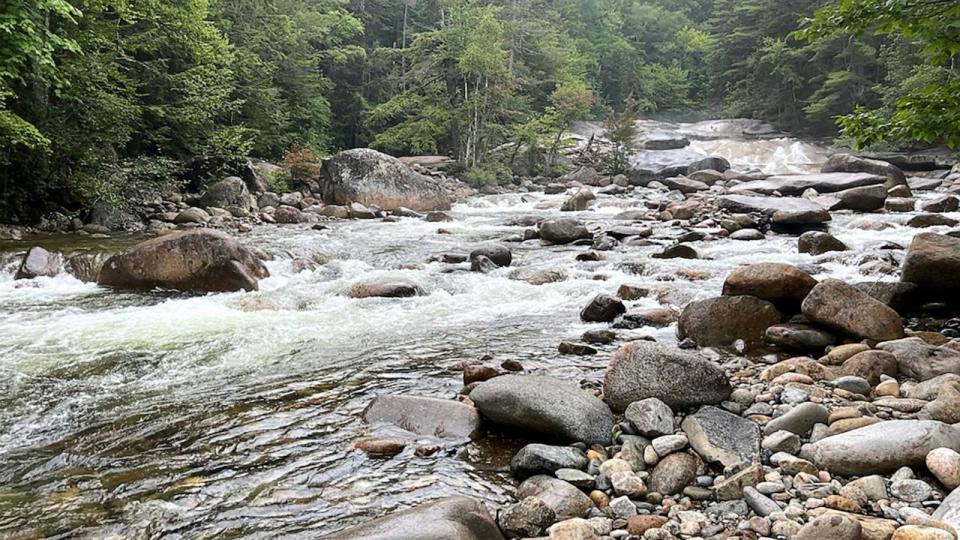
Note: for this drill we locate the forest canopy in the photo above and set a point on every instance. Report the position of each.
(98, 97)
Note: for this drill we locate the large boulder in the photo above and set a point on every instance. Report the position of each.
(793, 185)
(920, 360)
(791, 211)
(371, 178)
(454, 518)
(782, 284)
(563, 231)
(949, 510)
(714, 163)
(230, 191)
(933, 264)
(817, 243)
(863, 199)
(843, 307)
(442, 418)
(852, 164)
(39, 262)
(883, 447)
(545, 405)
(721, 321)
(199, 260)
(642, 369)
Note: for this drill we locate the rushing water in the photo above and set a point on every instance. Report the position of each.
(233, 415)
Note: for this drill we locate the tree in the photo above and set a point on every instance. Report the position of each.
(928, 108)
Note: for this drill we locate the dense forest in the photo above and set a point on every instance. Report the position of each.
(98, 97)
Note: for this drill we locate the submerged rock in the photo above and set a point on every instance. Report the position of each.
(545, 405)
(199, 260)
(817, 243)
(384, 288)
(454, 518)
(641, 370)
(425, 416)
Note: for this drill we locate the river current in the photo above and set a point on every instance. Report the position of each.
(164, 415)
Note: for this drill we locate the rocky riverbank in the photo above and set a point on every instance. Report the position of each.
(789, 406)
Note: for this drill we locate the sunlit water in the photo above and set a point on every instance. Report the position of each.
(233, 415)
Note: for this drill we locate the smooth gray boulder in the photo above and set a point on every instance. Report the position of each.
(442, 418)
(566, 500)
(722, 437)
(545, 405)
(231, 191)
(882, 448)
(919, 360)
(799, 420)
(853, 164)
(372, 178)
(454, 518)
(949, 510)
(793, 185)
(843, 307)
(642, 369)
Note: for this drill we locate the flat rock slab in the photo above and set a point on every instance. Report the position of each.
(883, 447)
(545, 405)
(455, 518)
(770, 205)
(442, 418)
(721, 437)
(796, 184)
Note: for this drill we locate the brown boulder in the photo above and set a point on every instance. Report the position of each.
(198, 260)
(782, 284)
(723, 320)
(841, 306)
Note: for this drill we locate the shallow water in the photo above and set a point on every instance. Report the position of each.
(233, 415)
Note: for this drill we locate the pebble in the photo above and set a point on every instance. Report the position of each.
(622, 507)
(669, 444)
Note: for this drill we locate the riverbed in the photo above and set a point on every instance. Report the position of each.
(165, 415)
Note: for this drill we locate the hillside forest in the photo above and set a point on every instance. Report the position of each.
(101, 98)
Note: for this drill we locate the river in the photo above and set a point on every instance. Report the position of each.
(164, 415)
